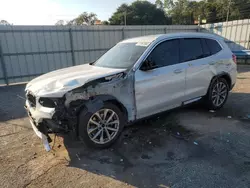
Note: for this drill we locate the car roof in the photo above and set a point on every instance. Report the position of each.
(151, 38)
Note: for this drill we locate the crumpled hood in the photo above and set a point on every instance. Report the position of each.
(57, 83)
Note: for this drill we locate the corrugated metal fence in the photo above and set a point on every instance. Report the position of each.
(29, 51)
(236, 33)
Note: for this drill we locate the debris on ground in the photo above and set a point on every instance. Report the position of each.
(229, 117)
(178, 136)
(121, 160)
(212, 111)
(195, 143)
(78, 157)
(145, 156)
(21, 97)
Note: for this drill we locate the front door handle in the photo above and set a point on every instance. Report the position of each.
(178, 71)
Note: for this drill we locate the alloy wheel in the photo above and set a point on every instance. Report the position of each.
(103, 126)
(219, 93)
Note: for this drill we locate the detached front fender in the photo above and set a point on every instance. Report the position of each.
(96, 102)
(118, 90)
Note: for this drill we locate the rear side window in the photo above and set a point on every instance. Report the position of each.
(191, 49)
(213, 46)
(206, 51)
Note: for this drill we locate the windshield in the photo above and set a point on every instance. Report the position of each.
(122, 55)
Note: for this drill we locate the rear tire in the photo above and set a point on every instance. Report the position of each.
(101, 128)
(217, 94)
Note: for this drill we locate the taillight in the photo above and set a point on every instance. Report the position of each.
(234, 58)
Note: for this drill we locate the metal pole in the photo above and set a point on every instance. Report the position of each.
(123, 33)
(228, 10)
(3, 65)
(72, 47)
(248, 42)
(199, 23)
(125, 18)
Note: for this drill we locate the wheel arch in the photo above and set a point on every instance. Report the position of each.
(224, 75)
(97, 102)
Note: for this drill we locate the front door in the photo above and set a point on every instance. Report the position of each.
(162, 86)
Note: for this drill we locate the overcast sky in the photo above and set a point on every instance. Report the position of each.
(48, 12)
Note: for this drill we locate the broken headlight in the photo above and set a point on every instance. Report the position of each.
(47, 102)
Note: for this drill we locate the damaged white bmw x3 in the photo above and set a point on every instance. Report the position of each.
(137, 78)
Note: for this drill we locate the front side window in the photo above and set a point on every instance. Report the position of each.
(191, 49)
(122, 55)
(166, 53)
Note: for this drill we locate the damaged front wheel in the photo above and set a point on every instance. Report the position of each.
(101, 128)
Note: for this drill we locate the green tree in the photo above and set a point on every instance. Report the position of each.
(159, 4)
(181, 13)
(139, 13)
(185, 12)
(105, 22)
(84, 19)
(60, 22)
(4, 22)
(165, 5)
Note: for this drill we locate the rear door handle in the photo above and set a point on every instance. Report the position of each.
(178, 71)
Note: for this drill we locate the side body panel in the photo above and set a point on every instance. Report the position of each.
(159, 89)
(200, 72)
(198, 76)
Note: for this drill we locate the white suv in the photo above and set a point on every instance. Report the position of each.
(137, 78)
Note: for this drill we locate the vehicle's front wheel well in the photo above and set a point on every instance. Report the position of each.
(120, 106)
(96, 102)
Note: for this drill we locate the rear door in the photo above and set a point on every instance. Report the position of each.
(201, 62)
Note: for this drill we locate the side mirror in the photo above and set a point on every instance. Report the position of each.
(148, 65)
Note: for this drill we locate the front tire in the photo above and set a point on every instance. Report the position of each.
(101, 128)
(217, 94)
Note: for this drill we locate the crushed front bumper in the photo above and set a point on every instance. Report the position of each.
(37, 115)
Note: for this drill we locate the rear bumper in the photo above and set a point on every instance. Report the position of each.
(232, 86)
(233, 76)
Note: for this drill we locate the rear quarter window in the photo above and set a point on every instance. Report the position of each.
(213, 46)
